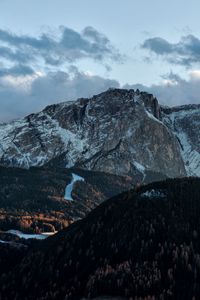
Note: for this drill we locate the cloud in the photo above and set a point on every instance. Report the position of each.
(21, 95)
(175, 90)
(16, 70)
(35, 92)
(186, 52)
(68, 46)
(24, 89)
(31, 75)
(14, 55)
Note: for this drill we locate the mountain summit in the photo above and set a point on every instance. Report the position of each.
(119, 131)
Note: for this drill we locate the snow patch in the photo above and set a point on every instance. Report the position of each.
(138, 99)
(154, 194)
(26, 236)
(4, 242)
(139, 167)
(69, 187)
(152, 117)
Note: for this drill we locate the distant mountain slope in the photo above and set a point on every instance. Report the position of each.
(119, 132)
(139, 245)
(185, 123)
(33, 200)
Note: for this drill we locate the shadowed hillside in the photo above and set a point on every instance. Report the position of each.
(139, 244)
(33, 200)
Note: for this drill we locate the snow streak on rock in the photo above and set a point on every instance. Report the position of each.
(185, 123)
(69, 187)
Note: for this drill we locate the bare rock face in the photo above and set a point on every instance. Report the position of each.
(118, 132)
(184, 121)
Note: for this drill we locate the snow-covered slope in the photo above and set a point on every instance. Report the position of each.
(35, 140)
(184, 121)
(118, 131)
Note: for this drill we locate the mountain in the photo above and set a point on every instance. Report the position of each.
(141, 244)
(122, 132)
(45, 199)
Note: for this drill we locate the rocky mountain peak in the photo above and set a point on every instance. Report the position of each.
(111, 103)
(118, 131)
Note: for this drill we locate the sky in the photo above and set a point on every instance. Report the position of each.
(53, 51)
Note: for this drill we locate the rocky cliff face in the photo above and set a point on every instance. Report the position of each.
(118, 132)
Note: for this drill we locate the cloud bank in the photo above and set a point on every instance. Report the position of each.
(32, 93)
(186, 52)
(25, 88)
(67, 47)
(175, 90)
(17, 99)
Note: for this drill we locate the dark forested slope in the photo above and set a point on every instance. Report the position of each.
(137, 244)
(33, 200)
